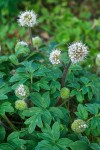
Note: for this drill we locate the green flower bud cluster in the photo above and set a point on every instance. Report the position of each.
(64, 93)
(36, 41)
(79, 126)
(20, 105)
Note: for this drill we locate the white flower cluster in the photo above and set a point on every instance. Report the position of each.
(83, 126)
(20, 104)
(55, 56)
(21, 90)
(27, 18)
(77, 52)
(98, 56)
(22, 43)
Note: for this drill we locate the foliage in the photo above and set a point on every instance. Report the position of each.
(45, 110)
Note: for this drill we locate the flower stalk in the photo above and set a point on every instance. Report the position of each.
(30, 34)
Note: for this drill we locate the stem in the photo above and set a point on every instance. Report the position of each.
(30, 33)
(97, 70)
(31, 78)
(3, 125)
(98, 115)
(66, 101)
(63, 80)
(9, 122)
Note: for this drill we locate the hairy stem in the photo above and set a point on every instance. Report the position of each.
(30, 33)
(9, 122)
(63, 80)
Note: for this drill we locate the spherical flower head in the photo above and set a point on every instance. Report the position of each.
(77, 52)
(22, 91)
(79, 126)
(97, 60)
(27, 19)
(20, 105)
(36, 41)
(55, 56)
(64, 93)
(21, 43)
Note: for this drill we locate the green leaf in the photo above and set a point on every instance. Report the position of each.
(95, 123)
(36, 86)
(41, 101)
(6, 146)
(6, 107)
(79, 145)
(46, 136)
(84, 90)
(2, 97)
(20, 76)
(56, 130)
(30, 66)
(45, 145)
(44, 85)
(95, 146)
(49, 134)
(35, 118)
(56, 112)
(22, 49)
(46, 100)
(55, 85)
(2, 133)
(93, 108)
(36, 99)
(84, 80)
(64, 143)
(13, 59)
(79, 97)
(73, 92)
(46, 117)
(82, 112)
(38, 116)
(4, 89)
(3, 58)
(15, 141)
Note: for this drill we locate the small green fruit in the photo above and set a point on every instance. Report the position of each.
(64, 93)
(20, 105)
(79, 126)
